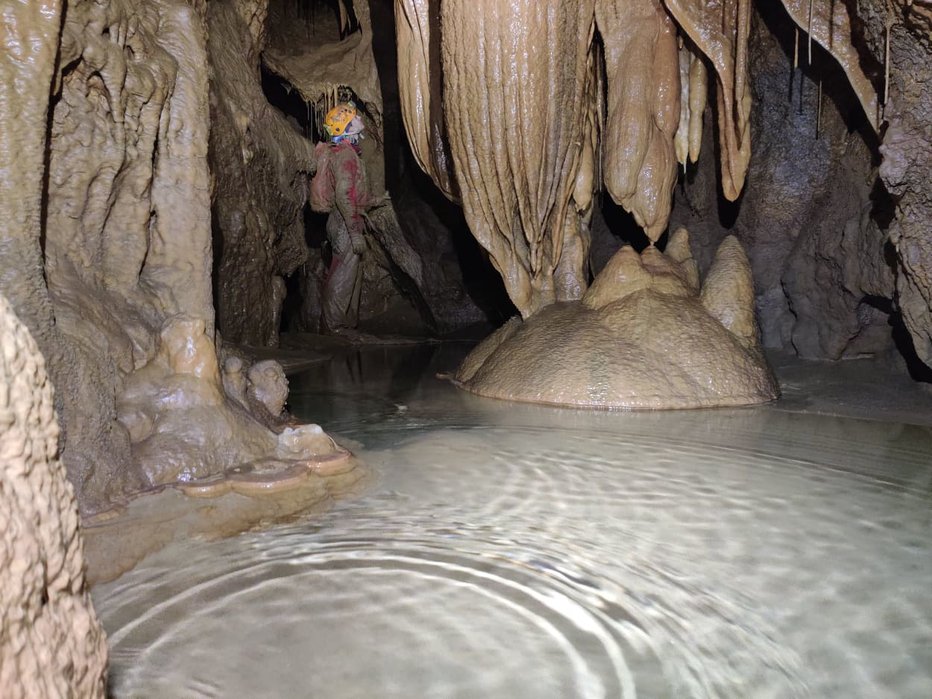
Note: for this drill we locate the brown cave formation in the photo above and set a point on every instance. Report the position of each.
(538, 160)
(157, 158)
(821, 270)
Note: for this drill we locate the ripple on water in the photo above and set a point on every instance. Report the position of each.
(548, 563)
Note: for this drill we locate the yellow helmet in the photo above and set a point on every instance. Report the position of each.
(339, 118)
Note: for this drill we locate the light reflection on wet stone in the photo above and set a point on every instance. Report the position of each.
(525, 552)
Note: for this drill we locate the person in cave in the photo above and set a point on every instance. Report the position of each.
(340, 189)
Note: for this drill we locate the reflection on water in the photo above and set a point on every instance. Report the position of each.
(521, 551)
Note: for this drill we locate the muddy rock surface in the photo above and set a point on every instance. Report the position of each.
(643, 336)
(824, 285)
(51, 643)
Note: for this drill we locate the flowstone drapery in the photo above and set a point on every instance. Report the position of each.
(519, 116)
(521, 86)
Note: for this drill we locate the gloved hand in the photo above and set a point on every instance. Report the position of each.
(358, 243)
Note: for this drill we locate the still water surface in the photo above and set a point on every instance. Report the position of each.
(521, 551)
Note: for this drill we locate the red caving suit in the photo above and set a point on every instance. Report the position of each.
(340, 189)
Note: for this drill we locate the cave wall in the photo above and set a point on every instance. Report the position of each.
(51, 642)
(261, 166)
(107, 244)
(906, 170)
(110, 190)
(809, 216)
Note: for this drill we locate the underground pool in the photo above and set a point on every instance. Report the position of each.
(505, 550)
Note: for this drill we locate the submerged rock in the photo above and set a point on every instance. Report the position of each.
(643, 336)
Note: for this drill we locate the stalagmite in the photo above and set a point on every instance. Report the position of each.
(728, 293)
(642, 73)
(642, 337)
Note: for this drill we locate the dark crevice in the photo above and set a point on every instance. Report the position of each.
(317, 20)
(883, 205)
(483, 283)
(288, 101)
(622, 225)
(918, 370)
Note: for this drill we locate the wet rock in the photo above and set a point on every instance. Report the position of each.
(642, 337)
(261, 165)
(51, 643)
(806, 216)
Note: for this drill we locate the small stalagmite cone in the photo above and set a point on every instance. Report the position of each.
(679, 251)
(728, 293)
(624, 274)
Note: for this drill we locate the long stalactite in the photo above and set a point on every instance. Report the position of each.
(514, 106)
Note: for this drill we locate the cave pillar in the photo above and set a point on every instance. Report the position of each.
(179, 263)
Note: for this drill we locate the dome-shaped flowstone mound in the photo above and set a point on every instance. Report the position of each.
(643, 336)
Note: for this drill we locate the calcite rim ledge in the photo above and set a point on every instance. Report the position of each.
(644, 336)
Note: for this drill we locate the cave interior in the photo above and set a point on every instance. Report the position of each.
(535, 171)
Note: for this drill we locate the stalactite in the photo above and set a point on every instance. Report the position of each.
(344, 18)
(419, 89)
(681, 139)
(796, 49)
(516, 113)
(643, 108)
(886, 68)
(825, 21)
(720, 31)
(656, 91)
(698, 98)
(809, 35)
(694, 90)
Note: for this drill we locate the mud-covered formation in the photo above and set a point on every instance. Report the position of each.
(545, 105)
(643, 336)
(51, 643)
(107, 251)
(156, 160)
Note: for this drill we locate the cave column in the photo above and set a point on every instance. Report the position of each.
(179, 265)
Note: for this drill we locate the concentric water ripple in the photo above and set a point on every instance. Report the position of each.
(648, 558)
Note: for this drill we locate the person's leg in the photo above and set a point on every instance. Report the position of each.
(340, 297)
